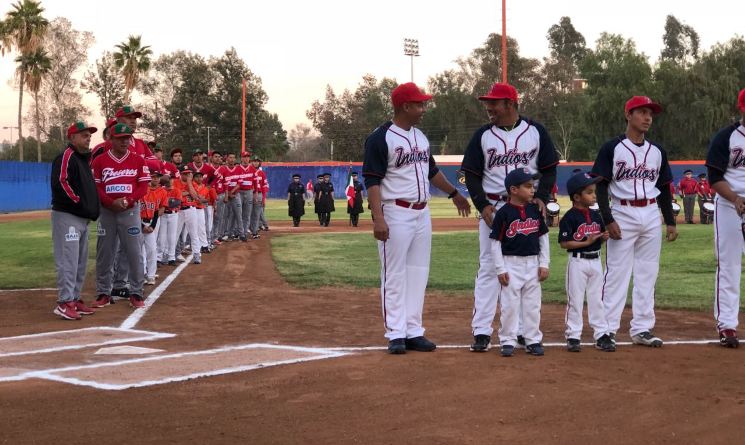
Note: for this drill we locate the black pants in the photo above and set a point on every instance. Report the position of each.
(324, 218)
(295, 221)
(354, 218)
(689, 204)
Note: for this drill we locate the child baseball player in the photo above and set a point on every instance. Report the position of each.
(520, 249)
(582, 233)
(153, 205)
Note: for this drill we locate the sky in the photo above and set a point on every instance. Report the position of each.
(300, 47)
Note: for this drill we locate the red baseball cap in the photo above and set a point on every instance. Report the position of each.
(110, 121)
(79, 126)
(120, 131)
(741, 100)
(408, 92)
(127, 110)
(642, 101)
(501, 91)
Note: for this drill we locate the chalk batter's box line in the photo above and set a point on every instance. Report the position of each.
(548, 345)
(52, 374)
(146, 336)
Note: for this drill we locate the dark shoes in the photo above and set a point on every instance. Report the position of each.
(507, 350)
(534, 349)
(520, 341)
(420, 344)
(605, 343)
(573, 345)
(481, 343)
(397, 346)
(728, 338)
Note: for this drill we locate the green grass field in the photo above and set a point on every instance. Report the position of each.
(686, 278)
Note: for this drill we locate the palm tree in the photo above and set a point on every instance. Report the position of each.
(25, 28)
(35, 66)
(133, 59)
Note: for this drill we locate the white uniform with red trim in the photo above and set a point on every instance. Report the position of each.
(399, 161)
(636, 174)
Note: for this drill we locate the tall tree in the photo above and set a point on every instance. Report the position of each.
(25, 28)
(681, 42)
(134, 60)
(106, 83)
(35, 67)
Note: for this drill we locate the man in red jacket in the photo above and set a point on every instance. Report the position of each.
(704, 192)
(122, 179)
(688, 190)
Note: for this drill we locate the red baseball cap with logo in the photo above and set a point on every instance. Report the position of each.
(642, 101)
(408, 92)
(78, 127)
(127, 110)
(501, 91)
(120, 131)
(741, 100)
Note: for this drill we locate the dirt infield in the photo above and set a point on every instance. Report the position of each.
(677, 394)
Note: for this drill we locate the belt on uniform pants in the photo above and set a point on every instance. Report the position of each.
(186, 207)
(495, 197)
(169, 212)
(586, 255)
(146, 220)
(638, 202)
(411, 205)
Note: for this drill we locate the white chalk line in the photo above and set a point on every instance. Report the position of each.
(38, 289)
(545, 345)
(53, 373)
(137, 314)
(145, 336)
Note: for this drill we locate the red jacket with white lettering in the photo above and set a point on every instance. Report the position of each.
(125, 177)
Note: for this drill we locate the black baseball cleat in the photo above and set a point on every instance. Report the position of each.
(481, 343)
(573, 345)
(397, 346)
(605, 344)
(120, 294)
(520, 341)
(506, 350)
(534, 349)
(612, 336)
(728, 338)
(420, 344)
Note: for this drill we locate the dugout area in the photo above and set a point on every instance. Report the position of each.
(240, 356)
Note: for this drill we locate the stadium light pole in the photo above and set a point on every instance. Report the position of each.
(504, 41)
(11, 132)
(208, 136)
(411, 49)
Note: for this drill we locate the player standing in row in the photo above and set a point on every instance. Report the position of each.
(74, 204)
(398, 168)
(508, 142)
(296, 200)
(725, 163)
(636, 174)
(688, 188)
(153, 204)
(122, 179)
(325, 197)
(264, 187)
(258, 197)
(247, 194)
(218, 185)
(230, 174)
(520, 251)
(582, 232)
(354, 211)
(188, 225)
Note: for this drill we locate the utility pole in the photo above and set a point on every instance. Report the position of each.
(411, 49)
(332, 150)
(11, 132)
(504, 41)
(208, 136)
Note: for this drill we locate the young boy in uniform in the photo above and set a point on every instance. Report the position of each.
(582, 232)
(520, 249)
(154, 204)
(201, 204)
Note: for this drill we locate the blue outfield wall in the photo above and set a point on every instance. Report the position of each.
(25, 185)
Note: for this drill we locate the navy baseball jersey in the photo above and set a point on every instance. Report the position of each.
(493, 152)
(518, 229)
(634, 171)
(576, 224)
(400, 162)
(727, 154)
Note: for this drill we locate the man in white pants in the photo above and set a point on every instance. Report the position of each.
(187, 215)
(398, 168)
(637, 176)
(169, 222)
(153, 205)
(508, 142)
(726, 167)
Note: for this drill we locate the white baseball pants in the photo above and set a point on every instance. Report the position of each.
(188, 226)
(201, 234)
(404, 260)
(637, 252)
(729, 245)
(167, 235)
(584, 277)
(520, 299)
(150, 250)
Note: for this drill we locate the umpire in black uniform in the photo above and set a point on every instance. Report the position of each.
(296, 200)
(354, 211)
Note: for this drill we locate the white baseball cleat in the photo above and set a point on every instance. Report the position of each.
(646, 338)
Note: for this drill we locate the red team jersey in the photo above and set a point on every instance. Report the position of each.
(207, 171)
(125, 177)
(247, 181)
(229, 176)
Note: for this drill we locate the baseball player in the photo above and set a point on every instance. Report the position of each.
(296, 200)
(167, 234)
(636, 175)
(582, 232)
(398, 168)
(354, 212)
(258, 198)
(218, 186)
(74, 204)
(203, 199)
(188, 217)
(153, 205)
(247, 194)
(172, 168)
(122, 179)
(725, 163)
(263, 180)
(688, 188)
(508, 142)
(520, 251)
(197, 165)
(231, 175)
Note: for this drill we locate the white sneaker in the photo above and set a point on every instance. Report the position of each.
(150, 281)
(180, 258)
(646, 338)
